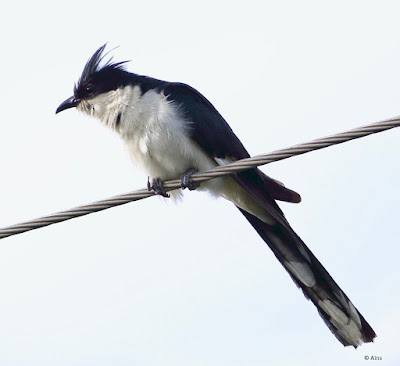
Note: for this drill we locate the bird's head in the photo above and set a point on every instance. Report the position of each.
(97, 79)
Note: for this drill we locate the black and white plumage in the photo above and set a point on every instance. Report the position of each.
(170, 129)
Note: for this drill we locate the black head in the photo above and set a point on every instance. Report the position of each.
(97, 79)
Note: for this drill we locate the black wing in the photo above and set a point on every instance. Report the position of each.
(214, 135)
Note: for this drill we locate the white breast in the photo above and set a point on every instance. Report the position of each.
(156, 136)
(157, 139)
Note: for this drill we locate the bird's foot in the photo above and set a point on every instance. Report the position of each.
(157, 185)
(187, 182)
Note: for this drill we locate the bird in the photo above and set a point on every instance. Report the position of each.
(171, 131)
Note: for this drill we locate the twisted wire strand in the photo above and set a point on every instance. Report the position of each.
(219, 171)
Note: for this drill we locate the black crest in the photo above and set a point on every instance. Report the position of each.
(99, 76)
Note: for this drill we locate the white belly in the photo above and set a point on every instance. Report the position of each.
(157, 139)
(167, 160)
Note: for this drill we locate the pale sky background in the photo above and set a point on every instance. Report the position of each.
(151, 283)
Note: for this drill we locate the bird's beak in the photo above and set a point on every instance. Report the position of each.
(66, 104)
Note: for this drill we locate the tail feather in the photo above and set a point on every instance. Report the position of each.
(335, 308)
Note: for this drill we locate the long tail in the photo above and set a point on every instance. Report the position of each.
(335, 308)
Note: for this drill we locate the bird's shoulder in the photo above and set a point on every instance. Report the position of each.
(207, 126)
(210, 130)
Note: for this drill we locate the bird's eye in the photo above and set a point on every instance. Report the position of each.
(89, 89)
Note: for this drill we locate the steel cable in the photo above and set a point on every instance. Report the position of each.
(219, 171)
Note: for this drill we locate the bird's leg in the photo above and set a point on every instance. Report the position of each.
(186, 180)
(157, 185)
